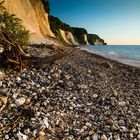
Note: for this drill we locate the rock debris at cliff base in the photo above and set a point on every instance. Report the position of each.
(77, 97)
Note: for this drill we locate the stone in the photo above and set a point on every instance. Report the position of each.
(121, 122)
(122, 103)
(21, 136)
(45, 121)
(2, 74)
(103, 137)
(131, 135)
(82, 86)
(89, 103)
(6, 137)
(67, 77)
(18, 80)
(117, 137)
(41, 133)
(110, 122)
(91, 132)
(107, 65)
(88, 124)
(107, 128)
(124, 129)
(138, 137)
(95, 95)
(4, 100)
(115, 93)
(20, 101)
(0, 83)
(95, 137)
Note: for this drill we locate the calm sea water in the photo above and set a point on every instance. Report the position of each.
(128, 54)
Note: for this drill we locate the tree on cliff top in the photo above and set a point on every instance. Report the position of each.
(46, 4)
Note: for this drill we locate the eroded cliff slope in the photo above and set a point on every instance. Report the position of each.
(34, 17)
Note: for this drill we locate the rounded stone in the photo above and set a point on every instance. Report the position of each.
(20, 101)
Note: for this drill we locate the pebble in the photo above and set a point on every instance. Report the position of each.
(41, 133)
(91, 132)
(103, 137)
(95, 137)
(115, 93)
(0, 83)
(45, 121)
(70, 103)
(88, 124)
(6, 137)
(117, 137)
(110, 122)
(138, 137)
(20, 101)
(82, 86)
(121, 122)
(124, 129)
(2, 74)
(122, 104)
(4, 100)
(67, 77)
(21, 136)
(18, 80)
(95, 95)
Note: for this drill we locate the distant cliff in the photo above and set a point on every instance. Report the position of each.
(94, 39)
(48, 29)
(62, 31)
(73, 35)
(81, 35)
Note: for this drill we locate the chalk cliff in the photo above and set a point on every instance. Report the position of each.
(94, 39)
(68, 37)
(34, 17)
(48, 29)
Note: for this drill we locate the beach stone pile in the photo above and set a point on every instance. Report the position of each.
(76, 98)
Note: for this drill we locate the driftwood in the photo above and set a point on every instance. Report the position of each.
(13, 55)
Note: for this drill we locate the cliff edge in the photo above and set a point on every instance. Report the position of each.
(35, 19)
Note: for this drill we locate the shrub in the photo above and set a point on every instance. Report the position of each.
(13, 36)
(13, 26)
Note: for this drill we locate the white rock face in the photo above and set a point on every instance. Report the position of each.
(85, 39)
(34, 18)
(68, 37)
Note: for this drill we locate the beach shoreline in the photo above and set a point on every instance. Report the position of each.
(110, 52)
(80, 96)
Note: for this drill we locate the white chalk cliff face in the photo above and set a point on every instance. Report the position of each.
(86, 39)
(34, 17)
(68, 37)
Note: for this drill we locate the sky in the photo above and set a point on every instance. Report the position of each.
(116, 21)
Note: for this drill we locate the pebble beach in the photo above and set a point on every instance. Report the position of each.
(82, 96)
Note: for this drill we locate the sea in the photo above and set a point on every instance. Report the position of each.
(127, 54)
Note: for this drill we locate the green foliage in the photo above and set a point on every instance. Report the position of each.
(92, 38)
(57, 24)
(79, 33)
(13, 27)
(46, 4)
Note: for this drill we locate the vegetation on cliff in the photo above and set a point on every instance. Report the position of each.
(13, 37)
(80, 33)
(93, 39)
(56, 24)
(46, 4)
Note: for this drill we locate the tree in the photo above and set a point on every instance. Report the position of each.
(46, 4)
